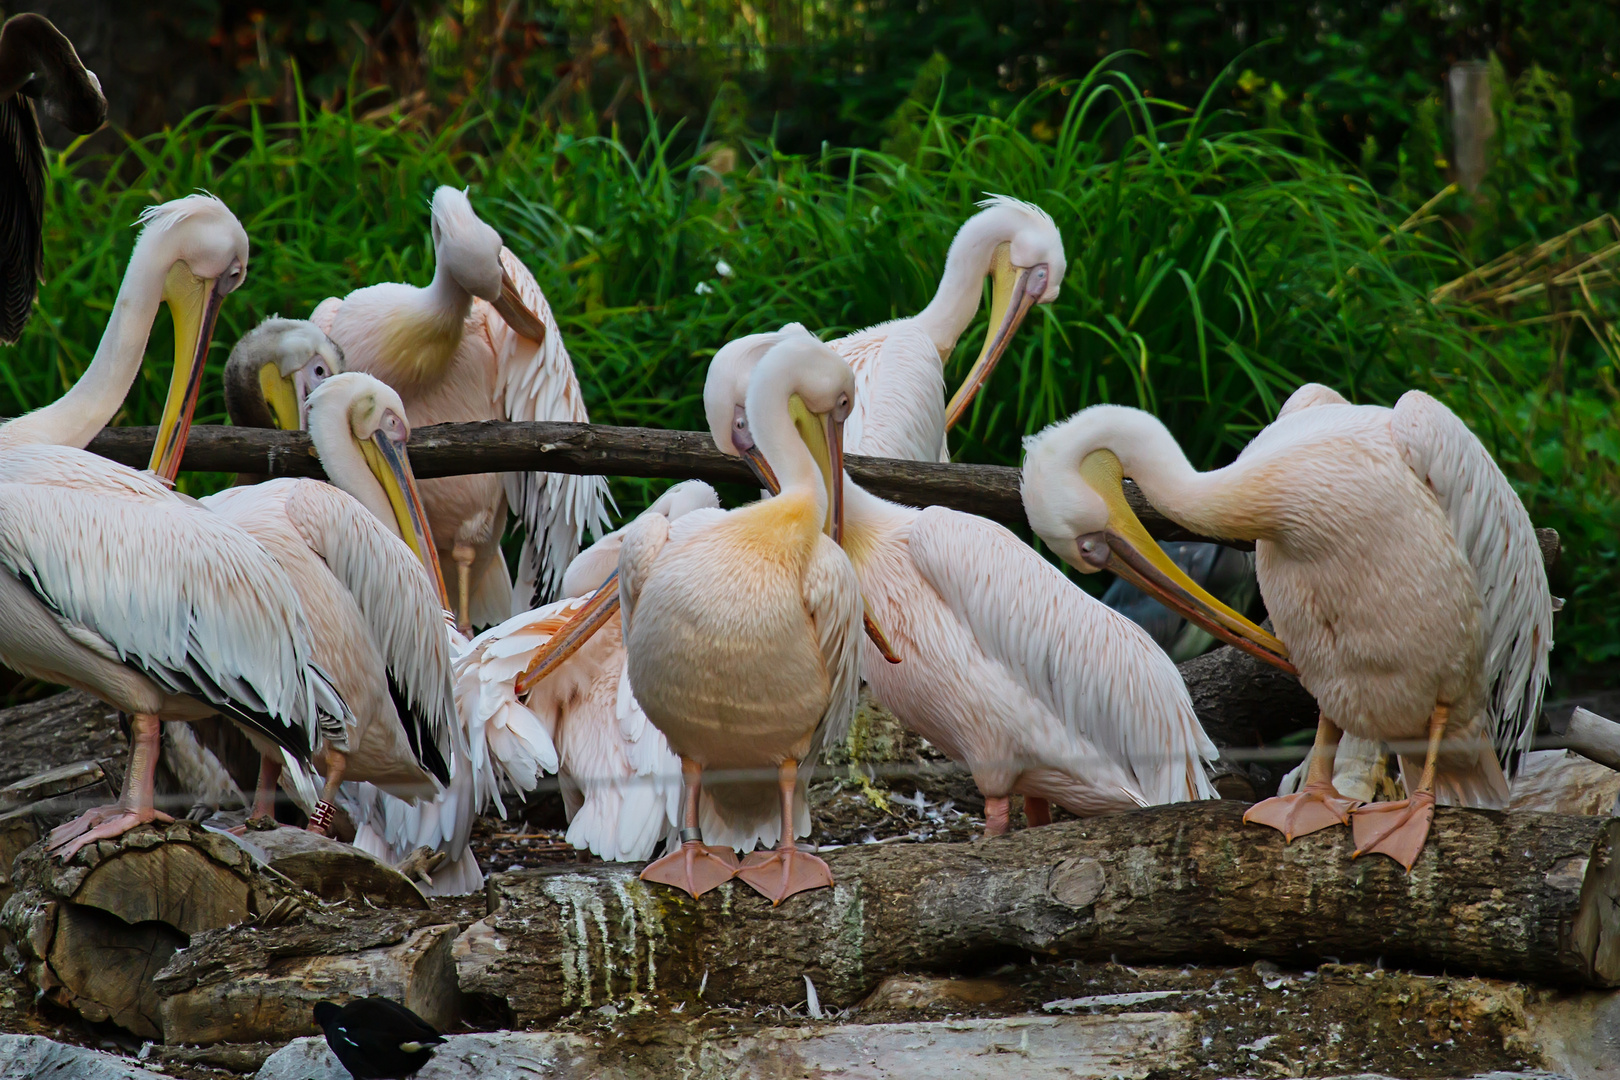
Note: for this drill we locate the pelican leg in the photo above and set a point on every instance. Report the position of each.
(779, 874)
(264, 796)
(1036, 812)
(1398, 829)
(320, 822)
(464, 555)
(133, 808)
(694, 866)
(997, 815)
(1318, 804)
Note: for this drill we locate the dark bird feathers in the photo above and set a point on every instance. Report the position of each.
(36, 61)
(377, 1039)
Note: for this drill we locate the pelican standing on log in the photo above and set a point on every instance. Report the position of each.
(370, 590)
(1395, 560)
(741, 631)
(36, 61)
(116, 585)
(478, 343)
(900, 409)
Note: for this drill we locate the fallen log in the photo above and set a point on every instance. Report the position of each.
(1531, 896)
(545, 446)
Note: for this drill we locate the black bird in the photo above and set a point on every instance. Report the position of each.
(36, 61)
(377, 1039)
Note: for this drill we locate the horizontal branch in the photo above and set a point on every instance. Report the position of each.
(544, 446)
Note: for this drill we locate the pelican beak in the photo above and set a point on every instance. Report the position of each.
(392, 468)
(1125, 548)
(284, 396)
(762, 470)
(518, 315)
(591, 617)
(1013, 293)
(195, 303)
(876, 634)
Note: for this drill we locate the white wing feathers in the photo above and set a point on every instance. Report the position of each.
(537, 382)
(832, 596)
(214, 622)
(1046, 632)
(1491, 526)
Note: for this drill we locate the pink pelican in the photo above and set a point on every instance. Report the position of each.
(620, 781)
(740, 630)
(124, 589)
(361, 558)
(1396, 561)
(478, 343)
(1009, 668)
(899, 366)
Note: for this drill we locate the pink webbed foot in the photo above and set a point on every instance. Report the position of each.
(694, 867)
(100, 823)
(780, 873)
(1315, 807)
(1397, 829)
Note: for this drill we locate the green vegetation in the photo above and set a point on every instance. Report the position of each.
(1215, 263)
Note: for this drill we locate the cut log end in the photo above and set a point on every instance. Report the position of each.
(1596, 932)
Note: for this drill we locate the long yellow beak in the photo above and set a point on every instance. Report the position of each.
(1125, 548)
(1013, 293)
(518, 315)
(194, 303)
(282, 398)
(392, 468)
(581, 626)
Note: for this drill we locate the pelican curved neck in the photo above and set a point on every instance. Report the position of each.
(346, 466)
(90, 404)
(779, 440)
(961, 286)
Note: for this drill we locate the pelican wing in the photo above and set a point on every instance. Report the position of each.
(1491, 526)
(899, 403)
(537, 382)
(22, 213)
(1100, 672)
(400, 606)
(832, 597)
(182, 596)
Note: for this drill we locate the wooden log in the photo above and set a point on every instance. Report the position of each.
(59, 730)
(545, 446)
(255, 984)
(1527, 895)
(1592, 736)
(331, 870)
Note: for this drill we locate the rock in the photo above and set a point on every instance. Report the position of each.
(34, 1057)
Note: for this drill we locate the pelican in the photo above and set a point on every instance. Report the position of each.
(478, 343)
(740, 630)
(373, 599)
(1038, 688)
(36, 61)
(899, 366)
(620, 781)
(118, 586)
(1396, 561)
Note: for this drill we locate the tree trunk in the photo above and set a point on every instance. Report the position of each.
(1530, 896)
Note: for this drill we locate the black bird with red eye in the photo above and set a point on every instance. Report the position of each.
(377, 1039)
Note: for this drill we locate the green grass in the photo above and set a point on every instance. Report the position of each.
(1212, 269)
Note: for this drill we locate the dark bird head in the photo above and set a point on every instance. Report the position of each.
(37, 60)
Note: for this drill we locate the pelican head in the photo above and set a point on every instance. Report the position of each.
(354, 411)
(818, 389)
(725, 390)
(272, 371)
(470, 251)
(1091, 526)
(206, 252)
(1026, 268)
(38, 61)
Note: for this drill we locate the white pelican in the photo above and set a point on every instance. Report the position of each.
(36, 61)
(1009, 668)
(1396, 561)
(620, 781)
(740, 629)
(370, 591)
(124, 589)
(899, 366)
(479, 343)
(272, 371)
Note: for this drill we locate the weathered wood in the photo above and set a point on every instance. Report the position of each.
(331, 870)
(1565, 782)
(1592, 736)
(253, 984)
(59, 730)
(510, 446)
(1527, 895)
